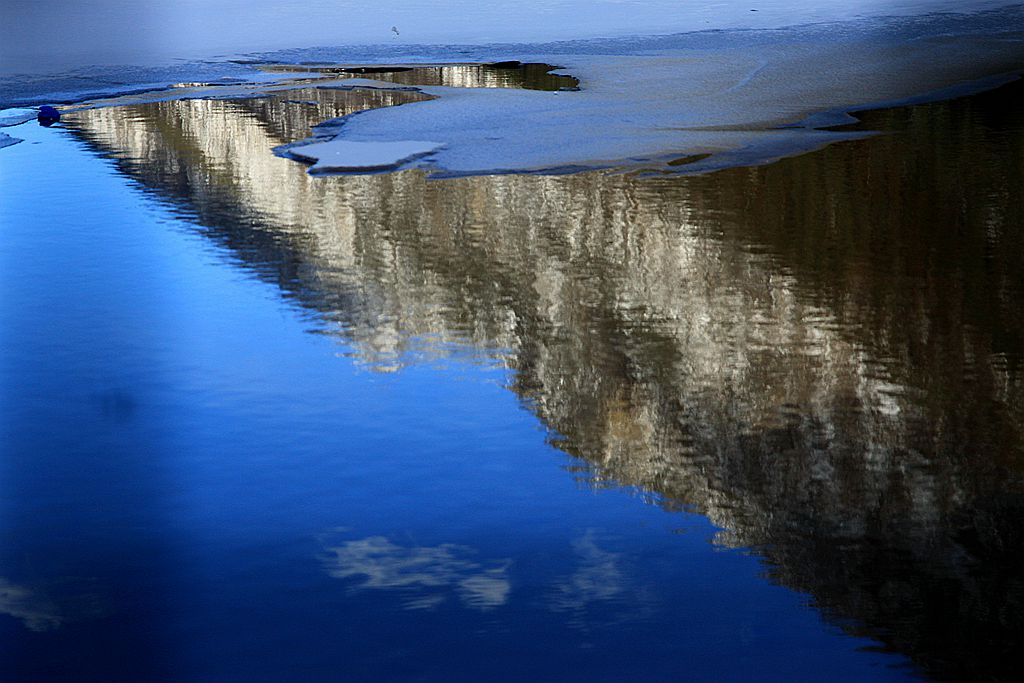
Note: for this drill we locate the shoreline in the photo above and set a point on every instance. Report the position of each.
(818, 130)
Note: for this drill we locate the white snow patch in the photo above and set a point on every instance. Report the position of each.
(741, 104)
(345, 155)
(745, 97)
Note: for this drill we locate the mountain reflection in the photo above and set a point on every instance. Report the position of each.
(530, 76)
(822, 355)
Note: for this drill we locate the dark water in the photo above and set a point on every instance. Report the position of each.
(510, 74)
(759, 425)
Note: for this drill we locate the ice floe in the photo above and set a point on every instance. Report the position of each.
(749, 100)
(346, 155)
(13, 117)
(714, 98)
(7, 140)
(16, 117)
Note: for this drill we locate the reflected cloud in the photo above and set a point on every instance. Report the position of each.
(601, 593)
(35, 610)
(431, 573)
(598, 577)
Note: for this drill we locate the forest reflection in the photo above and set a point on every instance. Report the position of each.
(822, 355)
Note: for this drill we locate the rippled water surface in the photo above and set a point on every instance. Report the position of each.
(758, 425)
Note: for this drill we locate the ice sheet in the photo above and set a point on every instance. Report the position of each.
(17, 116)
(741, 96)
(743, 104)
(344, 155)
(43, 37)
(7, 140)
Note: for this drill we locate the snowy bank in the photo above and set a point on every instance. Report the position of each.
(711, 98)
(748, 98)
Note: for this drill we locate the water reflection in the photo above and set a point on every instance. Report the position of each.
(291, 115)
(427, 574)
(600, 579)
(53, 604)
(822, 355)
(33, 609)
(530, 76)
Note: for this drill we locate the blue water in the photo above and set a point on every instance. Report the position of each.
(195, 487)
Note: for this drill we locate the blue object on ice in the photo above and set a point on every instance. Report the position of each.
(48, 115)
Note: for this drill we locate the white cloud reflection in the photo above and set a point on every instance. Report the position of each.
(431, 573)
(34, 610)
(602, 592)
(598, 577)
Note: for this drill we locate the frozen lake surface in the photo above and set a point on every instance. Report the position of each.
(731, 97)
(48, 37)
